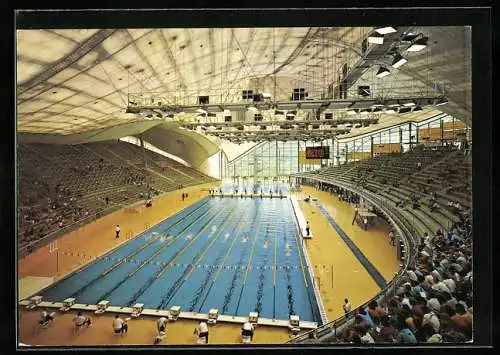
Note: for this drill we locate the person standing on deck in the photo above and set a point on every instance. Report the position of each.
(346, 306)
(308, 229)
(202, 331)
(120, 325)
(247, 330)
(392, 238)
(117, 230)
(81, 320)
(162, 332)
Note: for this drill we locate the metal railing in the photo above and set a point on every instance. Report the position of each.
(410, 242)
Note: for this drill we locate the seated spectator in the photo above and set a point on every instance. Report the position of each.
(388, 332)
(430, 317)
(365, 336)
(405, 334)
(459, 318)
(365, 316)
(375, 311)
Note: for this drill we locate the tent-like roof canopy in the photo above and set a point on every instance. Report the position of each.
(71, 81)
(74, 85)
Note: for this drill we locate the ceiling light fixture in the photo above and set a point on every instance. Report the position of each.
(383, 71)
(398, 61)
(375, 38)
(418, 45)
(385, 30)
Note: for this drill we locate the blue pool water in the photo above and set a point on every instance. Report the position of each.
(235, 254)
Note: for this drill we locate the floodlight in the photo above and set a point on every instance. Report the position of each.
(383, 71)
(375, 38)
(398, 61)
(385, 30)
(418, 45)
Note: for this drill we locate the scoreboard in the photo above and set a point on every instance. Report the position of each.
(317, 152)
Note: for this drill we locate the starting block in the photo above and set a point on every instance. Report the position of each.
(294, 324)
(174, 313)
(67, 303)
(137, 310)
(212, 316)
(253, 317)
(101, 307)
(34, 301)
(245, 339)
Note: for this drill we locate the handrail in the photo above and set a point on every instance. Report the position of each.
(404, 229)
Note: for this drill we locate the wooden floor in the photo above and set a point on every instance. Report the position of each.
(329, 252)
(326, 251)
(141, 332)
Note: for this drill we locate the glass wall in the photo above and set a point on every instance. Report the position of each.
(279, 159)
(265, 160)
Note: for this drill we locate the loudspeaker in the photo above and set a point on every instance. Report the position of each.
(203, 100)
(364, 90)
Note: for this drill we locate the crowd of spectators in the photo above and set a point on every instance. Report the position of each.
(434, 305)
(61, 185)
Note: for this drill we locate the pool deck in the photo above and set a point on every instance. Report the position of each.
(323, 252)
(166, 313)
(301, 223)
